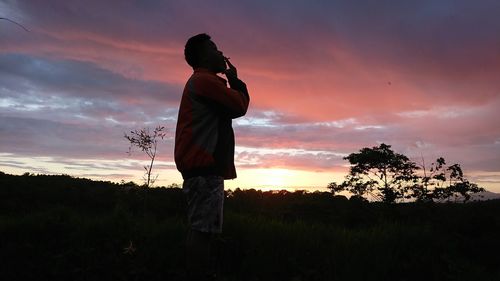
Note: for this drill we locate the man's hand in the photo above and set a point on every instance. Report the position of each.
(231, 72)
(232, 77)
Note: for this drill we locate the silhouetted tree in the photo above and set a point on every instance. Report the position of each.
(147, 142)
(379, 172)
(442, 183)
(390, 176)
(431, 182)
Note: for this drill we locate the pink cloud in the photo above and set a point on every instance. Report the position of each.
(338, 77)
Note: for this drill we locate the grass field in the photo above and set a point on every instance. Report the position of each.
(62, 228)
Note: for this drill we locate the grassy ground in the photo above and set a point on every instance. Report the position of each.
(61, 228)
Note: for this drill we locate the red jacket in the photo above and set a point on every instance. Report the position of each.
(204, 138)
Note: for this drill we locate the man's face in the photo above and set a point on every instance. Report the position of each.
(213, 58)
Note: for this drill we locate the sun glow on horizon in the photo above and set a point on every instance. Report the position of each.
(272, 178)
(280, 178)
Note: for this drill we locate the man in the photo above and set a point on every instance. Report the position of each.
(204, 145)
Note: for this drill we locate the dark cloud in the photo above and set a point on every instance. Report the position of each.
(72, 90)
(22, 73)
(37, 137)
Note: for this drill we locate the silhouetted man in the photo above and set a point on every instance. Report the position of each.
(204, 145)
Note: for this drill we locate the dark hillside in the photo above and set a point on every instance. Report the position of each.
(64, 228)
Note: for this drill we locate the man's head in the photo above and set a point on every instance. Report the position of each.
(200, 51)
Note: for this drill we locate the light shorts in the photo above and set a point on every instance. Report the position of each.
(205, 200)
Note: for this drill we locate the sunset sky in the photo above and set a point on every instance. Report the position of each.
(326, 78)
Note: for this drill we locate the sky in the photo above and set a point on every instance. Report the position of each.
(326, 78)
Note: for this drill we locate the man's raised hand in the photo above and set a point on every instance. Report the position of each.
(231, 72)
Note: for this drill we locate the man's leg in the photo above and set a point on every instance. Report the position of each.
(198, 255)
(205, 205)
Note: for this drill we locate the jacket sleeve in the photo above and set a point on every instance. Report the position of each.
(233, 101)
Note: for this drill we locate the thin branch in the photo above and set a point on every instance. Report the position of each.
(376, 181)
(18, 24)
(374, 195)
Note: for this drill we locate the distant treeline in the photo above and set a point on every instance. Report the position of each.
(65, 228)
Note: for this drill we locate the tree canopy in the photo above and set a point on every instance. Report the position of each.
(388, 176)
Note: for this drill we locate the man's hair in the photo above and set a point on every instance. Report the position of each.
(193, 49)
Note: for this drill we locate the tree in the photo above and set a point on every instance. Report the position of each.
(390, 176)
(147, 142)
(431, 185)
(379, 172)
(443, 182)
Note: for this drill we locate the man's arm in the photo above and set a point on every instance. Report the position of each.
(232, 77)
(233, 101)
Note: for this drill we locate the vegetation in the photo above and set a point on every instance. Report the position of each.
(64, 228)
(147, 142)
(390, 177)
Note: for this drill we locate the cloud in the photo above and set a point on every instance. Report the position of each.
(337, 58)
(81, 92)
(326, 78)
(37, 137)
(76, 78)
